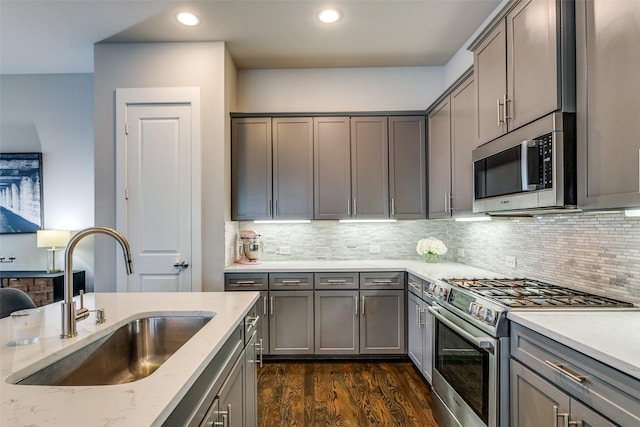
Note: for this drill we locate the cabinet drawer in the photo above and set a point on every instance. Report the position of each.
(382, 280)
(290, 281)
(336, 280)
(607, 390)
(415, 285)
(246, 281)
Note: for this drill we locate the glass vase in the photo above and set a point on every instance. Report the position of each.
(431, 257)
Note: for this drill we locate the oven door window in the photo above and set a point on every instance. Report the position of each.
(465, 367)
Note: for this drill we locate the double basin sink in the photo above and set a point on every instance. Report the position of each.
(132, 352)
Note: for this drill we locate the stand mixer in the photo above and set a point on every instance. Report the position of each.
(250, 248)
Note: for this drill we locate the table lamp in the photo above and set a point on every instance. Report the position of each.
(53, 240)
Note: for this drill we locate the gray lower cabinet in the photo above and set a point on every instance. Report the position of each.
(291, 322)
(419, 335)
(258, 282)
(548, 377)
(535, 402)
(608, 89)
(251, 381)
(231, 397)
(337, 322)
(382, 322)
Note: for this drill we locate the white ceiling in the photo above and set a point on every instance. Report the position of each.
(57, 36)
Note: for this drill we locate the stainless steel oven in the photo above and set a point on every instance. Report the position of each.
(471, 342)
(468, 365)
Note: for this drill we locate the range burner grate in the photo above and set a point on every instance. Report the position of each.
(526, 293)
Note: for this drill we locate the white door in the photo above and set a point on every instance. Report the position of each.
(155, 173)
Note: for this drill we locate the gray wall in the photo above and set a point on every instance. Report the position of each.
(52, 114)
(600, 252)
(139, 65)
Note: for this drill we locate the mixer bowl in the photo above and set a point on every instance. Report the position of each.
(253, 251)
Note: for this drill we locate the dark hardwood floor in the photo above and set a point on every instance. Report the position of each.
(342, 393)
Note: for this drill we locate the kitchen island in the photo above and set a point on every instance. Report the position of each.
(145, 402)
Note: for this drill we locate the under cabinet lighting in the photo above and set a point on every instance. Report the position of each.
(473, 218)
(632, 212)
(347, 221)
(284, 221)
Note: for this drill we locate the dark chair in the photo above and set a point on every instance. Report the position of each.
(12, 299)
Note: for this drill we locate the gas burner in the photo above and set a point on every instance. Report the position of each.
(527, 293)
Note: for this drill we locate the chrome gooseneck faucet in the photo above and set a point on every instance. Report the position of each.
(69, 313)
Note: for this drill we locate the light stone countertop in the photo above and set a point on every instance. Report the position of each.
(141, 403)
(440, 270)
(612, 337)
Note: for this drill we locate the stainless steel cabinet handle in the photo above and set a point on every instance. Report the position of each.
(228, 415)
(355, 208)
(446, 202)
(393, 207)
(260, 347)
(276, 209)
(245, 282)
(565, 418)
(421, 319)
(564, 371)
(269, 207)
(382, 281)
(290, 282)
(362, 306)
(507, 116)
(348, 207)
(333, 281)
(264, 305)
(355, 306)
(253, 321)
(417, 316)
(271, 305)
(500, 121)
(415, 286)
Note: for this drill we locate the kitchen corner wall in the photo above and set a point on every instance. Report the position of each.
(597, 252)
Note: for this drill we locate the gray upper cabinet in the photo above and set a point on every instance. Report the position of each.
(369, 168)
(521, 65)
(440, 160)
(332, 167)
(407, 167)
(292, 168)
(451, 142)
(251, 168)
(272, 168)
(608, 89)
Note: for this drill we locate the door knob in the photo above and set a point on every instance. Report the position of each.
(181, 264)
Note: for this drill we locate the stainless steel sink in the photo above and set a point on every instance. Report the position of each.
(130, 353)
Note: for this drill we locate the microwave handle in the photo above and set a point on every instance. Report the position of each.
(524, 163)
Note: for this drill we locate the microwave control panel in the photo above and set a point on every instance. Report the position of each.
(545, 144)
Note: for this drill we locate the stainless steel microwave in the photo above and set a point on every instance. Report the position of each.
(528, 171)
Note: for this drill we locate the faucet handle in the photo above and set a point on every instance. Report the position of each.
(81, 299)
(100, 319)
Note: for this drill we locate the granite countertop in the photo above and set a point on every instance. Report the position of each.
(141, 403)
(612, 337)
(440, 270)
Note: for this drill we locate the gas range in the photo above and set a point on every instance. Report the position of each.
(485, 302)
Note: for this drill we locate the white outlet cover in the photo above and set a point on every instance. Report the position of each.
(461, 252)
(510, 261)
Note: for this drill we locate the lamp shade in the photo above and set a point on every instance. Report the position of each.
(53, 238)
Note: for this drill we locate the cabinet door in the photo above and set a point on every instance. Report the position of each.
(587, 417)
(415, 336)
(462, 144)
(251, 189)
(251, 384)
(292, 168)
(382, 322)
(262, 307)
(608, 117)
(490, 71)
(232, 395)
(369, 167)
(533, 399)
(332, 167)
(407, 167)
(532, 61)
(291, 322)
(440, 160)
(336, 322)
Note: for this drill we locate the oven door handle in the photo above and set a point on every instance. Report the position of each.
(485, 343)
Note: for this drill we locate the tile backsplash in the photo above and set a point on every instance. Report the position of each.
(598, 252)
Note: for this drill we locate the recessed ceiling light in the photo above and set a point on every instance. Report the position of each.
(329, 16)
(186, 18)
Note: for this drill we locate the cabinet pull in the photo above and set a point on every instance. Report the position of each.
(246, 282)
(564, 371)
(415, 286)
(500, 120)
(269, 207)
(264, 305)
(334, 281)
(565, 418)
(271, 305)
(355, 207)
(355, 306)
(382, 281)
(260, 347)
(446, 202)
(417, 316)
(362, 306)
(253, 321)
(348, 207)
(290, 282)
(507, 116)
(393, 207)
(276, 209)
(228, 415)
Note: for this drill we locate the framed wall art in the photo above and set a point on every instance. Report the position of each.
(20, 192)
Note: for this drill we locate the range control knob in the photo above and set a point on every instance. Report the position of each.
(490, 316)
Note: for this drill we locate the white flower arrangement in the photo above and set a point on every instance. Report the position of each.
(431, 248)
